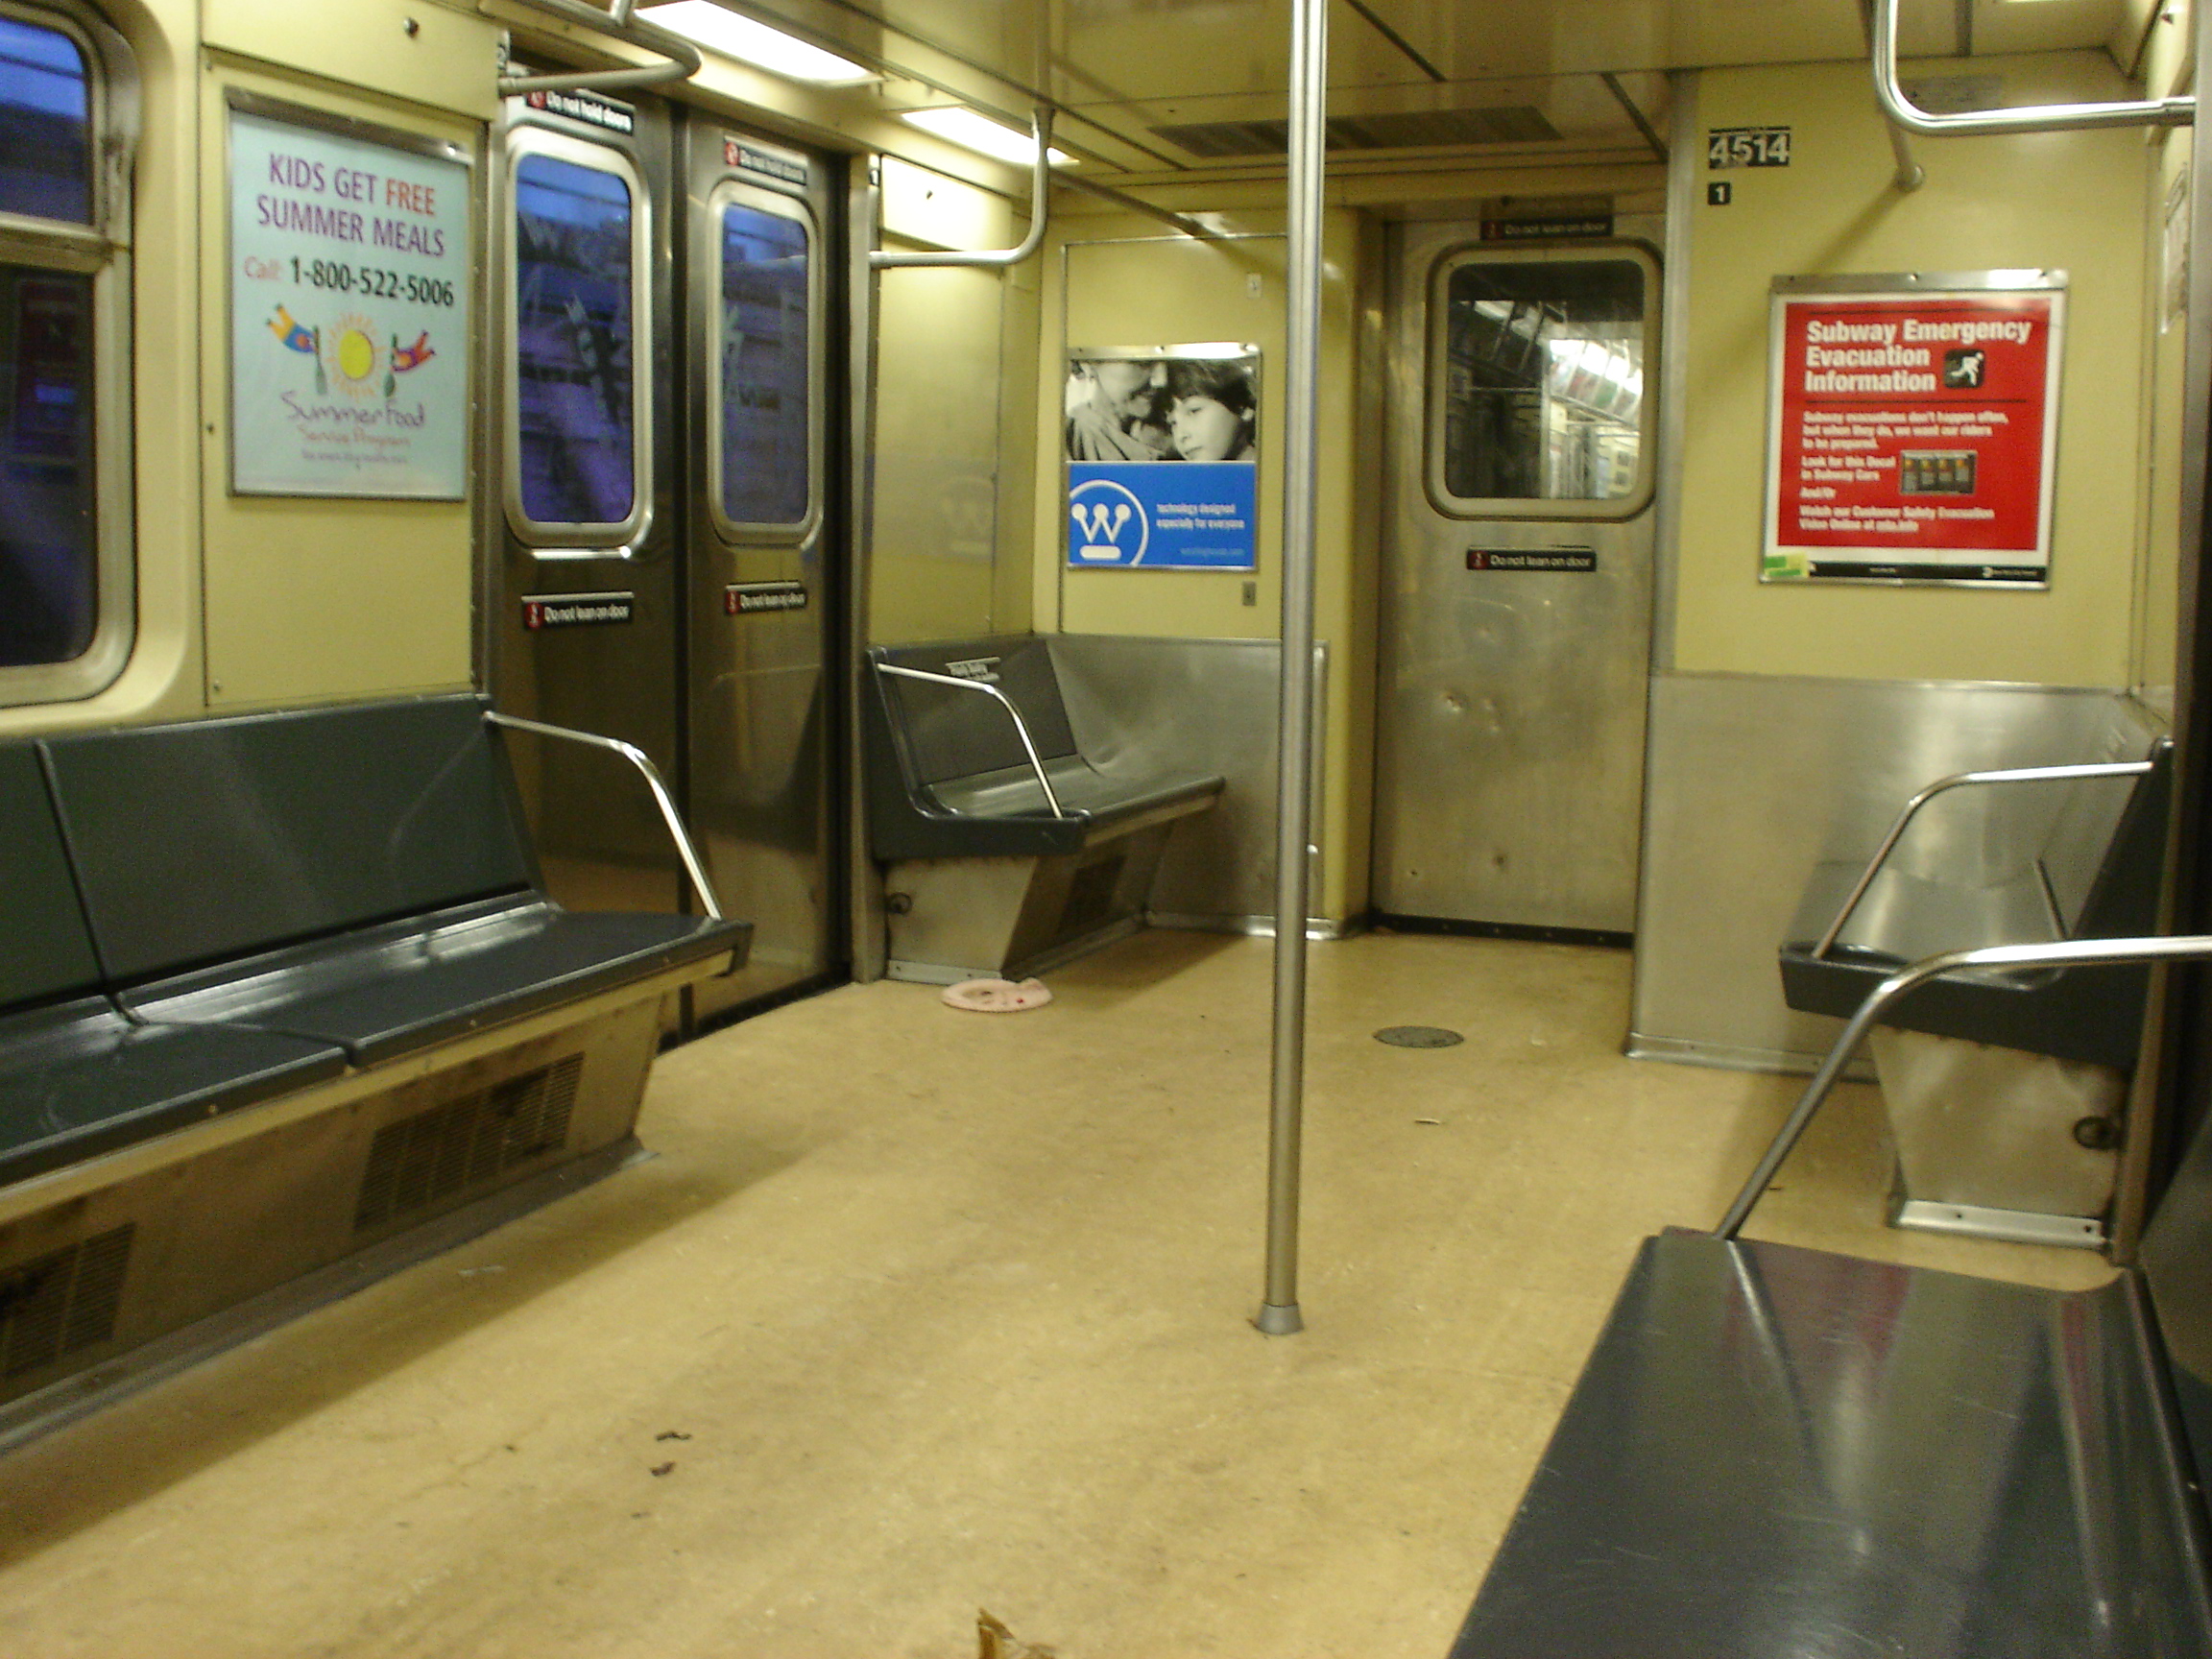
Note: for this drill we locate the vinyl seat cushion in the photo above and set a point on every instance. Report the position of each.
(392, 990)
(80, 1079)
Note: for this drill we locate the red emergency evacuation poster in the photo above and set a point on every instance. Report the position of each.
(1911, 429)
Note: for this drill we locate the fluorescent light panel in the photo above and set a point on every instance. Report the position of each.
(983, 135)
(721, 30)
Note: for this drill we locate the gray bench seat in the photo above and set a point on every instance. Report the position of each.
(200, 917)
(986, 871)
(2096, 878)
(1776, 1451)
(80, 1079)
(404, 986)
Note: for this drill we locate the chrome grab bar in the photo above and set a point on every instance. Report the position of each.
(1040, 195)
(684, 59)
(2058, 954)
(1020, 726)
(2013, 775)
(636, 756)
(2037, 118)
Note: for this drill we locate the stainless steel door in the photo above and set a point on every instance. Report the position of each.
(760, 709)
(1517, 579)
(582, 614)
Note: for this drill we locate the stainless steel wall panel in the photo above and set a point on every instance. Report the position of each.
(1754, 782)
(1188, 706)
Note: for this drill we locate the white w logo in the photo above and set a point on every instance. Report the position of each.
(1098, 522)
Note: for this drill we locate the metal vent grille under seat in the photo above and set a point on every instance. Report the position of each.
(419, 1160)
(63, 1301)
(1402, 129)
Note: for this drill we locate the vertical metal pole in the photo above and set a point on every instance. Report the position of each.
(1279, 1315)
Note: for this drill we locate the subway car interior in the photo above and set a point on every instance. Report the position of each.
(1254, 827)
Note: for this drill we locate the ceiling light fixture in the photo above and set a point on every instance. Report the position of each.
(980, 133)
(721, 30)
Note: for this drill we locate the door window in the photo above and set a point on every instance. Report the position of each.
(764, 460)
(575, 379)
(1537, 403)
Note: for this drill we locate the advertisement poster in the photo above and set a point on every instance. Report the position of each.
(1913, 428)
(1163, 448)
(349, 272)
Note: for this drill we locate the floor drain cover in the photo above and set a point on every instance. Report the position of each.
(1418, 1037)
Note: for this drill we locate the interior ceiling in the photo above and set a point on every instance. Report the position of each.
(1152, 87)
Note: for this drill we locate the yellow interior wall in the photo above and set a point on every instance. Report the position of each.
(956, 355)
(313, 598)
(1112, 279)
(2070, 200)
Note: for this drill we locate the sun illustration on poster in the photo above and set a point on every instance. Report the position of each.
(353, 355)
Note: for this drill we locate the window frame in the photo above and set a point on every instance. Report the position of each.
(734, 191)
(554, 539)
(1584, 509)
(102, 251)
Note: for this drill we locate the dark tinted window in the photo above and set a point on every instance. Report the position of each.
(766, 354)
(46, 124)
(49, 588)
(572, 344)
(1542, 382)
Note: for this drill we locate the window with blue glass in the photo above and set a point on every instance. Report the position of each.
(46, 115)
(574, 287)
(766, 365)
(60, 311)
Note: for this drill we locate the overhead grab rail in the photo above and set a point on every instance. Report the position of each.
(684, 59)
(2033, 118)
(1039, 192)
(1020, 726)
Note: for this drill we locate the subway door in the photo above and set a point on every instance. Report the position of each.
(580, 617)
(759, 533)
(1517, 591)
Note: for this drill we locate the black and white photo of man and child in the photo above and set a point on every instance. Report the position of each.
(1150, 409)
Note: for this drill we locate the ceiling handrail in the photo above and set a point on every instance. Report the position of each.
(1040, 196)
(1903, 113)
(684, 59)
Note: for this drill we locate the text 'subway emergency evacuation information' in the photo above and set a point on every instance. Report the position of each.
(1911, 430)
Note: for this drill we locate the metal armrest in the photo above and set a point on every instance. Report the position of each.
(2058, 954)
(636, 756)
(1020, 726)
(2013, 775)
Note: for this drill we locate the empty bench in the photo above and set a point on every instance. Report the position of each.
(2045, 1053)
(1777, 1453)
(1007, 849)
(274, 990)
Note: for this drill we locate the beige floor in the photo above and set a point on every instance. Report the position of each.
(928, 1311)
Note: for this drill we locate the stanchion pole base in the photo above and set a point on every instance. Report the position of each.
(1279, 1319)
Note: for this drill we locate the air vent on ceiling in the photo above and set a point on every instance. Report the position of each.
(61, 1302)
(1404, 130)
(434, 1154)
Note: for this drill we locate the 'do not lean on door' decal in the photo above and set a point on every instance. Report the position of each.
(1911, 429)
(349, 272)
(1163, 457)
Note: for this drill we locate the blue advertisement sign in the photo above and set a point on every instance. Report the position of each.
(1163, 457)
(1160, 515)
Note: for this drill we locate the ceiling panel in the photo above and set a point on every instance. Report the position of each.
(1123, 68)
